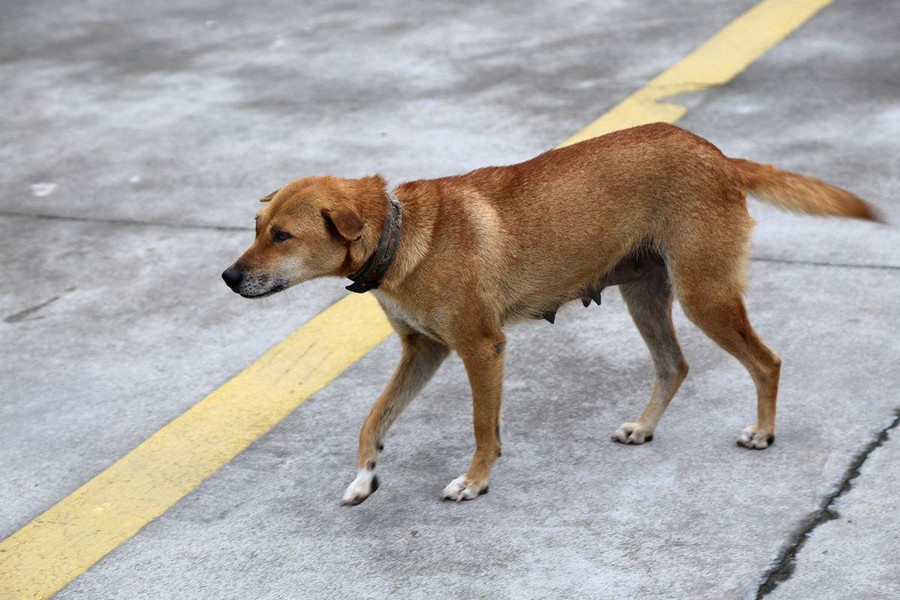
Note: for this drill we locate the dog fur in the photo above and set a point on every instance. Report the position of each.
(654, 209)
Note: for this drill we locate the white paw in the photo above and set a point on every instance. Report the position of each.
(361, 488)
(752, 437)
(632, 433)
(459, 489)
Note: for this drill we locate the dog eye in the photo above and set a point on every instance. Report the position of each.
(281, 236)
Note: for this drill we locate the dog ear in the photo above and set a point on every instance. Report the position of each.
(345, 221)
(268, 197)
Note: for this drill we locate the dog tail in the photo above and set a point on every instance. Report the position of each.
(802, 194)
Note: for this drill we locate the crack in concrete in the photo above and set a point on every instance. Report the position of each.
(814, 263)
(23, 315)
(782, 567)
(124, 221)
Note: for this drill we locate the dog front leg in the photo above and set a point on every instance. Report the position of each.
(483, 360)
(421, 358)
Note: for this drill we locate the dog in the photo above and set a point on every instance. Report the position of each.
(655, 210)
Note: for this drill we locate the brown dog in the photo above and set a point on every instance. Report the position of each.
(654, 209)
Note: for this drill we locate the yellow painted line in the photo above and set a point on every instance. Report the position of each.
(59, 545)
(717, 61)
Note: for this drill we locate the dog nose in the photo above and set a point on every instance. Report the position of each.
(233, 277)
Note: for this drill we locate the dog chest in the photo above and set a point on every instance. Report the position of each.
(397, 313)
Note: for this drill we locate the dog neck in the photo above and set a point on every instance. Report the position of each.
(369, 277)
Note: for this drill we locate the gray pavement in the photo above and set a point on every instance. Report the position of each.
(134, 140)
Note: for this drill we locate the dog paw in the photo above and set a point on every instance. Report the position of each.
(460, 489)
(632, 433)
(361, 488)
(752, 437)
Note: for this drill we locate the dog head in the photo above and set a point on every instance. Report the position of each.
(310, 228)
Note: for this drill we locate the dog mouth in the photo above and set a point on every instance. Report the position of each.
(278, 287)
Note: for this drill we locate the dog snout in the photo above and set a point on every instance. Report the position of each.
(233, 277)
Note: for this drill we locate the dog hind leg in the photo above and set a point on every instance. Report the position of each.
(726, 323)
(649, 300)
(708, 267)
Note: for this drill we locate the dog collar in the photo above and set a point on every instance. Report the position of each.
(369, 277)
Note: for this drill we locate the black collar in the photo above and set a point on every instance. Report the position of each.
(369, 277)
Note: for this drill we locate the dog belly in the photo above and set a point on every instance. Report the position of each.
(633, 267)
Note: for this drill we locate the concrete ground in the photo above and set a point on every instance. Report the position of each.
(134, 141)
